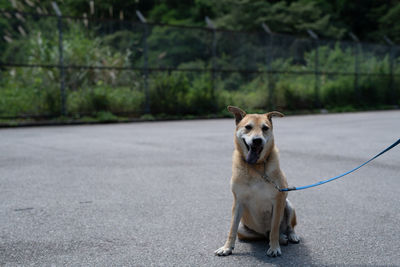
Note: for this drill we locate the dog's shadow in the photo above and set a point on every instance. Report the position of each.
(292, 254)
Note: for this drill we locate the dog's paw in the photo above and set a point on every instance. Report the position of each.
(223, 251)
(293, 238)
(274, 251)
(283, 239)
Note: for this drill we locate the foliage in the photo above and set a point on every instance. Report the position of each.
(26, 92)
(36, 90)
(175, 94)
(195, 89)
(368, 19)
(281, 16)
(170, 46)
(104, 98)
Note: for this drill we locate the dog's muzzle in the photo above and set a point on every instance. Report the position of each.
(254, 150)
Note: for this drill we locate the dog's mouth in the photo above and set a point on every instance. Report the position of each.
(253, 153)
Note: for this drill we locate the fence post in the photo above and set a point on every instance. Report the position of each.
(268, 63)
(145, 63)
(357, 52)
(391, 65)
(315, 38)
(211, 26)
(61, 58)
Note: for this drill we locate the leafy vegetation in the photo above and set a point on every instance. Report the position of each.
(370, 20)
(184, 78)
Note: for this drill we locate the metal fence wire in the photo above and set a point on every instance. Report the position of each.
(75, 66)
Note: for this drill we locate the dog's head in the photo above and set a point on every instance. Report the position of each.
(253, 136)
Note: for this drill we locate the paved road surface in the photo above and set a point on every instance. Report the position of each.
(157, 194)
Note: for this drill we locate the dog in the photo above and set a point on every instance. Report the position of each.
(259, 209)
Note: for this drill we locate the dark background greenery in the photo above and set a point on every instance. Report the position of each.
(368, 19)
(181, 90)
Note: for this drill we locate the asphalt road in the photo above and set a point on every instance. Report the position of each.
(157, 194)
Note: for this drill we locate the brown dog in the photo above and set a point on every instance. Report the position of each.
(258, 206)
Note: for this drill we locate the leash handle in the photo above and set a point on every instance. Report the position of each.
(293, 188)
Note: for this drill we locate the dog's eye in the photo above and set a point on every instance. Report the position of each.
(265, 128)
(248, 127)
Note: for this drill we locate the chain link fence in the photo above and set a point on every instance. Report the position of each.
(76, 66)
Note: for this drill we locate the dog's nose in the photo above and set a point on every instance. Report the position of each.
(257, 141)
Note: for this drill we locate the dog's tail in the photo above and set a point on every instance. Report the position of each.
(293, 220)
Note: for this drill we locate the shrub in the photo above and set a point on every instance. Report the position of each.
(24, 91)
(338, 92)
(104, 98)
(168, 93)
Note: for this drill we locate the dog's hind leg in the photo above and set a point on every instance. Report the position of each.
(246, 234)
(284, 227)
(290, 222)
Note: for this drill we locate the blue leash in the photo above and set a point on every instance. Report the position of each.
(292, 188)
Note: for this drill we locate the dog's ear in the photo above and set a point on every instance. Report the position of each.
(273, 114)
(239, 114)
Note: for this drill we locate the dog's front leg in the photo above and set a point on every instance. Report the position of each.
(277, 214)
(237, 210)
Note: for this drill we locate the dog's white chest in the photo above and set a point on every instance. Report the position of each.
(258, 199)
(261, 197)
(262, 191)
